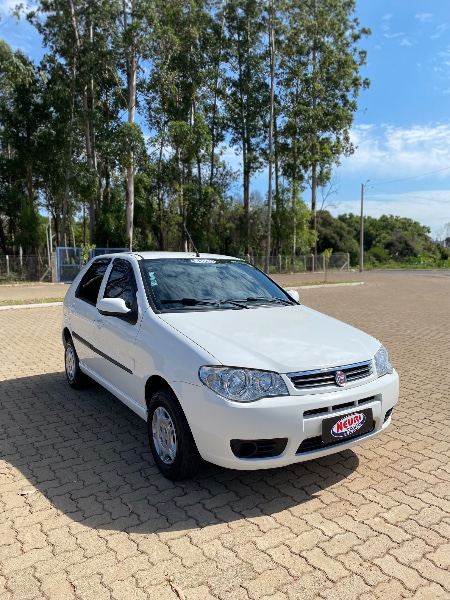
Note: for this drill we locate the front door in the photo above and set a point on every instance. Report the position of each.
(115, 336)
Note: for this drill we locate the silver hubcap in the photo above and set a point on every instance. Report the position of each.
(164, 436)
(70, 363)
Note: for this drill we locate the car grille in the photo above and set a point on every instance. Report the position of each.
(319, 378)
(315, 443)
(326, 410)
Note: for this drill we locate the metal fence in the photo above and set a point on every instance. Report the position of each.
(25, 268)
(64, 266)
(66, 263)
(69, 261)
(301, 264)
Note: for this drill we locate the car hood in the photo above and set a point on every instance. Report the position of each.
(278, 338)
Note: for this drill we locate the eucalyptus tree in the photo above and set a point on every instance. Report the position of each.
(319, 84)
(183, 113)
(21, 116)
(133, 30)
(247, 93)
(15, 68)
(76, 34)
(271, 18)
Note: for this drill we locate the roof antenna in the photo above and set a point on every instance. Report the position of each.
(197, 253)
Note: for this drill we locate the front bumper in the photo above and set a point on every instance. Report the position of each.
(215, 421)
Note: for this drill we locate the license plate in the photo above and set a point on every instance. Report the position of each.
(346, 427)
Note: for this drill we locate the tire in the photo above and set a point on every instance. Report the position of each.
(171, 441)
(75, 376)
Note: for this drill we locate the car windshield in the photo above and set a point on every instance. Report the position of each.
(179, 284)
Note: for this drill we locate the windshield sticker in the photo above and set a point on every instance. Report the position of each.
(152, 278)
(203, 261)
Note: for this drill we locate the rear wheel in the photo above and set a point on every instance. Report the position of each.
(171, 441)
(75, 376)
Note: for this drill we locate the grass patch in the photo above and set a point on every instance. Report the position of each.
(310, 283)
(32, 301)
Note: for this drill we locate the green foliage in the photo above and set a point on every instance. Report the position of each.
(110, 226)
(319, 86)
(86, 249)
(337, 234)
(128, 141)
(69, 145)
(389, 240)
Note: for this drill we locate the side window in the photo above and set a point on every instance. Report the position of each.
(89, 286)
(122, 283)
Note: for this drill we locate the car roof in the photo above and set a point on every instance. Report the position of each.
(155, 255)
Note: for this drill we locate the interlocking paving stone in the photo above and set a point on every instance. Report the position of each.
(84, 513)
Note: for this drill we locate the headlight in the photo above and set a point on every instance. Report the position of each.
(242, 385)
(382, 362)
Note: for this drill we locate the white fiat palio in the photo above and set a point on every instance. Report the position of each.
(222, 363)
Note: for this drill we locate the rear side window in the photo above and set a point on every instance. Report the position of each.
(122, 283)
(89, 286)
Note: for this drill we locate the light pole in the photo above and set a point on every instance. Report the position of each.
(361, 229)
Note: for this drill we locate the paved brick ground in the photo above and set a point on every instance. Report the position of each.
(84, 513)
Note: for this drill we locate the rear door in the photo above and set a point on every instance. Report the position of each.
(83, 313)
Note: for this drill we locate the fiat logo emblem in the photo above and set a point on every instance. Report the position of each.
(340, 378)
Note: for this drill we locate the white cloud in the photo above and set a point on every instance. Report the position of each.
(440, 30)
(424, 17)
(395, 158)
(429, 207)
(385, 25)
(389, 151)
(392, 35)
(405, 42)
(232, 156)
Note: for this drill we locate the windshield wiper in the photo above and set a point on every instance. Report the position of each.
(188, 302)
(272, 299)
(234, 302)
(200, 302)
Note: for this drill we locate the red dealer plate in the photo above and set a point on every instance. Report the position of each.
(346, 427)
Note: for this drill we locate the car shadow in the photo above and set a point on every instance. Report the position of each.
(87, 454)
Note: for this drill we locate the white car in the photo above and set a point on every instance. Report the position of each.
(222, 363)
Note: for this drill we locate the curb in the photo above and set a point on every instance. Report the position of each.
(21, 306)
(325, 285)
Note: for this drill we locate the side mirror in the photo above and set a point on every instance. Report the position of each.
(113, 307)
(293, 294)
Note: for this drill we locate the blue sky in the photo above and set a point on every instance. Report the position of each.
(402, 127)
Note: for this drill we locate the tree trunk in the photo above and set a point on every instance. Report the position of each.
(216, 91)
(314, 163)
(159, 194)
(131, 100)
(279, 245)
(69, 164)
(272, 94)
(313, 201)
(3, 238)
(87, 124)
(245, 163)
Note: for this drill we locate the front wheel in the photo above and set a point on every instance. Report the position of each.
(75, 376)
(171, 441)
